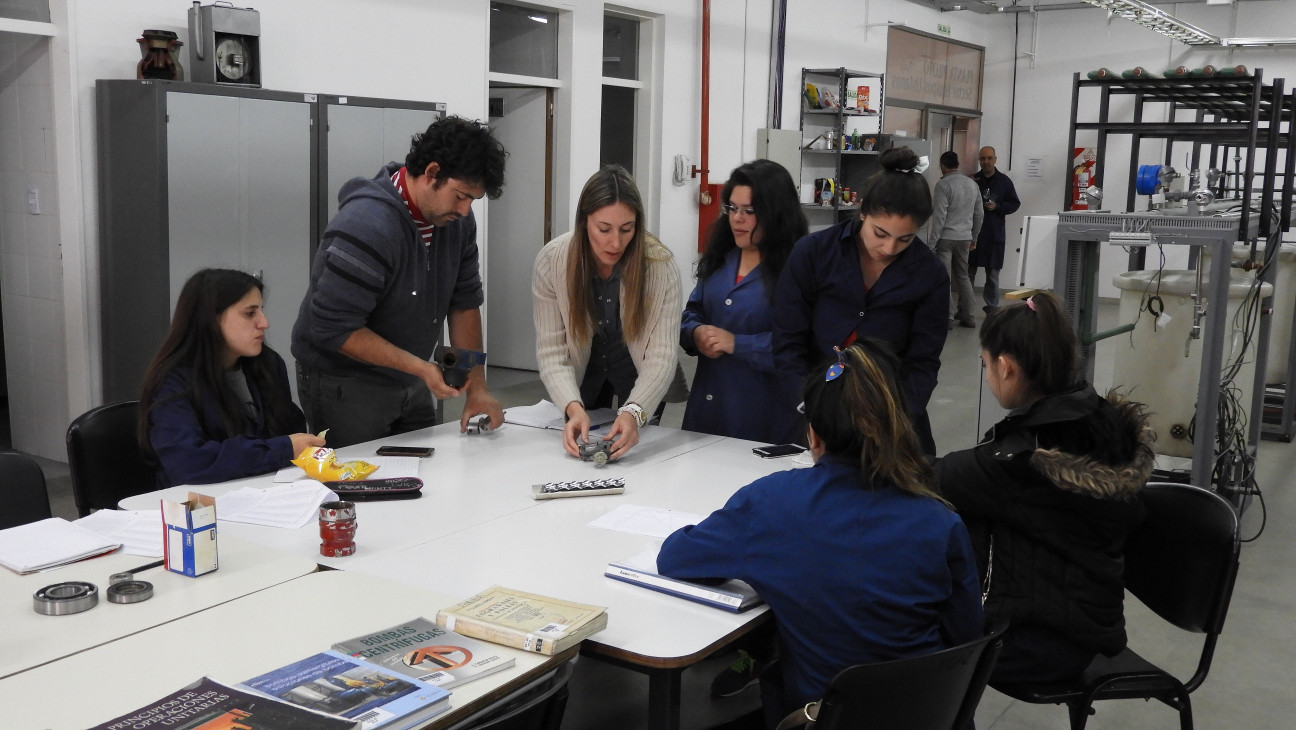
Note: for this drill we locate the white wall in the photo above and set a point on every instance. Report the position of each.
(31, 267)
(436, 50)
(1067, 41)
(429, 51)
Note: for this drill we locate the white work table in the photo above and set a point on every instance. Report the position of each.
(31, 639)
(236, 641)
(550, 549)
(470, 480)
(477, 525)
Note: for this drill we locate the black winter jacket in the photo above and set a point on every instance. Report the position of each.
(1052, 493)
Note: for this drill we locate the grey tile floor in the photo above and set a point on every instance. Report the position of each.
(1249, 684)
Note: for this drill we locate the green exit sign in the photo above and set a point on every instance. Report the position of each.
(943, 29)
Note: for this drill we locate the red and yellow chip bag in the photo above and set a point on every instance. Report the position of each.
(320, 463)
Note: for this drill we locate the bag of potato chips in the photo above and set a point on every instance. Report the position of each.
(320, 463)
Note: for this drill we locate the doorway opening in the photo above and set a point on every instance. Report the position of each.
(520, 222)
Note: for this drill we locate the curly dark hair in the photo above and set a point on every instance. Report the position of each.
(778, 210)
(463, 149)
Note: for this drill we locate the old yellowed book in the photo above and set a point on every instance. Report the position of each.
(523, 620)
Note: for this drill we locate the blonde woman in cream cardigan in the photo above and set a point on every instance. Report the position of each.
(607, 309)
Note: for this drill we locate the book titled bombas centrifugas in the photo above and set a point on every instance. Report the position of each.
(429, 653)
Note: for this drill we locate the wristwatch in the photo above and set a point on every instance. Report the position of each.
(635, 410)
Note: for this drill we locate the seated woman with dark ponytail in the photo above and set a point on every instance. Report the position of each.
(1049, 496)
(216, 403)
(857, 557)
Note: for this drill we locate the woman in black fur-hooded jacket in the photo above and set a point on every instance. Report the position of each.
(1049, 496)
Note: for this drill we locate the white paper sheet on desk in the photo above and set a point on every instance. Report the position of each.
(547, 415)
(649, 521)
(48, 543)
(289, 506)
(138, 531)
(389, 467)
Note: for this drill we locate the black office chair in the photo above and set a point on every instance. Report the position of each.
(105, 458)
(1181, 563)
(937, 691)
(24, 492)
(541, 708)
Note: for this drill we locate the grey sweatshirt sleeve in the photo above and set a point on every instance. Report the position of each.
(357, 257)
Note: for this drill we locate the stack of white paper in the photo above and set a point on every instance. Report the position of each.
(284, 505)
(139, 532)
(650, 521)
(49, 543)
(547, 415)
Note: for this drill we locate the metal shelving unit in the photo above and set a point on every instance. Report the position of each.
(1223, 117)
(849, 167)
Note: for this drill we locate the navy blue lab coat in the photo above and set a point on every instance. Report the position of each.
(191, 446)
(855, 572)
(738, 395)
(989, 251)
(821, 300)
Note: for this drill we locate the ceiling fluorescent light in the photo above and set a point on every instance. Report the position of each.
(1257, 42)
(1137, 11)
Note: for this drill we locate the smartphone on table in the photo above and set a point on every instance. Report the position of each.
(419, 451)
(773, 451)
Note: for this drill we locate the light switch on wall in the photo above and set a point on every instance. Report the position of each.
(33, 201)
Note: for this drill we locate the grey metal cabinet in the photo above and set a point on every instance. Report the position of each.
(199, 175)
(362, 134)
(194, 176)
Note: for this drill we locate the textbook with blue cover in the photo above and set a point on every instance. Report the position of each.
(344, 686)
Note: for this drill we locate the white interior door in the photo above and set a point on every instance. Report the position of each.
(516, 228)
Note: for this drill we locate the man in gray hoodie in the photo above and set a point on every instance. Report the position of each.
(397, 261)
(955, 223)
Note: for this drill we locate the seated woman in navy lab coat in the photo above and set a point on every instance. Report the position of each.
(607, 303)
(1049, 496)
(216, 403)
(857, 557)
(865, 277)
(727, 320)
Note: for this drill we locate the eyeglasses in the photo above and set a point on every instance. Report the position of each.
(730, 209)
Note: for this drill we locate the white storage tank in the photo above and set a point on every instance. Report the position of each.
(1160, 365)
(1284, 304)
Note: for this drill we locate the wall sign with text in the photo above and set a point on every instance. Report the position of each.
(930, 70)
